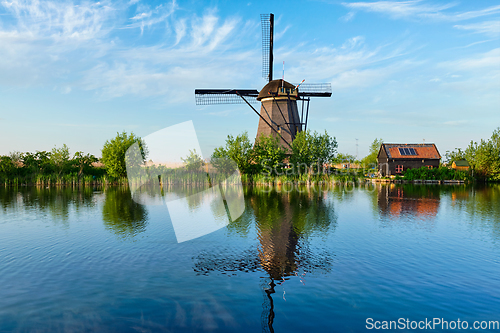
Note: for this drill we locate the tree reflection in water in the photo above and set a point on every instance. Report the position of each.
(58, 201)
(481, 203)
(284, 222)
(121, 214)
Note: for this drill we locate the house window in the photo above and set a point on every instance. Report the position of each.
(399, 168)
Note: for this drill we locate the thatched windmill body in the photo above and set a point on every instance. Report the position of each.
(279, 112)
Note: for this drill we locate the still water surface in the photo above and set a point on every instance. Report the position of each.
(300, 261)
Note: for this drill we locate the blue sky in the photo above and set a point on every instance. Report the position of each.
(405, 71)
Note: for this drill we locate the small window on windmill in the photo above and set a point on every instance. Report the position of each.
(279, 129)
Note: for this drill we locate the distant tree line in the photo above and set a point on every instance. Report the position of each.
(49, 167)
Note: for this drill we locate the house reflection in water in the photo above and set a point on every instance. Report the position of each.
(411, 201)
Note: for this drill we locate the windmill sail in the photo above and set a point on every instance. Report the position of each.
(267, 21)
(315, 90)
(224, 96)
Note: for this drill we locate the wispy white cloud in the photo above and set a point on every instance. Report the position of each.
(476, 43)
(399, 9)
(180, 30)
(74, 46)
(475, 13)
(48, 19)
(352, 65)
(141, 16)
(146, 17)
(487, 61)
(222, 33)
(200, 54)
(42, 41)
(477, 75)
(203, 28)
(353, 42)
(491, 28)
(421, 10)
(194, 52)
(279, 34)
(348, 17)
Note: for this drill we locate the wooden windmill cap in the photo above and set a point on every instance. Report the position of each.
(271, 89)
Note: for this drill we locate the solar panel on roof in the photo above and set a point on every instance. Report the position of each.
(407, 151)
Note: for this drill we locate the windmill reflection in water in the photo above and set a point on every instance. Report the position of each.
(284, 223)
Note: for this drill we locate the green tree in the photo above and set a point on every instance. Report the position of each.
(344, 158)
(59, 158)
(6, 166)
(37, 163)
(312, 151)
(238, 149)
(113, 153)
(495, 147)
(17, 158)
(453, 156)
(484, 157)
(325, 147)
(371, 159)
(82, 162)
(193, 161)
(269, 155)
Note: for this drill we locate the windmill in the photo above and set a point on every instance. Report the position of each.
(279, 114)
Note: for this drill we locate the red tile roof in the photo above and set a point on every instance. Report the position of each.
(423, 150)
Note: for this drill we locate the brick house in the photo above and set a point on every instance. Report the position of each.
(395, 158)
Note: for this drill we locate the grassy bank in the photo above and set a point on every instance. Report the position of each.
(176, 177)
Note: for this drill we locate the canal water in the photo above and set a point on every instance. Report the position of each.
(297, 260)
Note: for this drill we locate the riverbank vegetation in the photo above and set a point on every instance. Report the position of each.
(309, 159)
(51, 168)
(483, 157)
(441, 173)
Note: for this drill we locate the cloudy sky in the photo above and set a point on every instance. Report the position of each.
(405, 71)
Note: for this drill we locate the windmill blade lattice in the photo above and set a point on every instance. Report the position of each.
(267, 22)
(224, 96)
(315, 89)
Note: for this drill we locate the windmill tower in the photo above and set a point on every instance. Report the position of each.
(279, 112)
